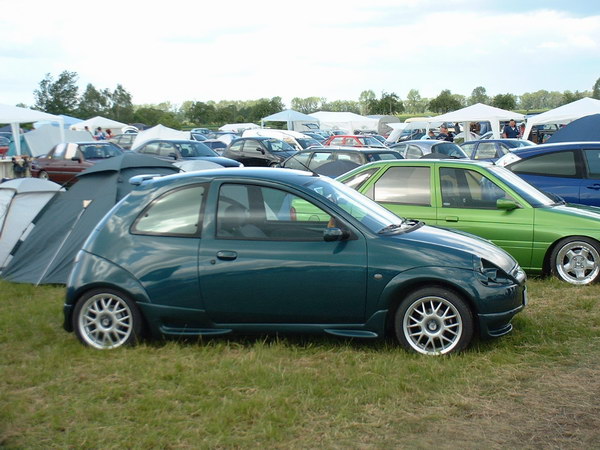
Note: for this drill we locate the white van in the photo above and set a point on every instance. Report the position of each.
(297, 140)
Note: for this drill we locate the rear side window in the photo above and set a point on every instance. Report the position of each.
(176, 213)
(404, 185)
(299, 161)
(556, 164)
(592, 158)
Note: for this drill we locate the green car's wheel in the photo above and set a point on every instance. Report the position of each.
(434, 321)
(576, 260)
(105, 319)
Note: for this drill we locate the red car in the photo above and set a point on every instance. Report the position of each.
(4, 142)
(354, 141)
(67, 159)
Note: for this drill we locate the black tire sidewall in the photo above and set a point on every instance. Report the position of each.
(136, 316)
(450, 296)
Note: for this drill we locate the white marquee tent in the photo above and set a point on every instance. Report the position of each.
(41, 140)
(345, 121)
(565, 114)
(479, 113)
(159, 132)
(238, 127)
(15, 115)
(99, 121)
(296, 121)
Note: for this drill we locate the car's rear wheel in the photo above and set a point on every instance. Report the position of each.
(576, 260)
(43, 175)
(106, 319)
(434, 321)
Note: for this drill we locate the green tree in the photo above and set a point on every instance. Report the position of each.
(121, 105)
(151, 116)
(342, 106)
(389, 104)
(201, 113)
(364, 99)
(479, 95)
(444, 102)
(414, 103)
(596, 90)
(57, 97)
(307, 105)
(505, 101)
(93, 103)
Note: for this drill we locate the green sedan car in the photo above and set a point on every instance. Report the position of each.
(544, 234)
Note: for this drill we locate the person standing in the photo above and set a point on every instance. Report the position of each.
(99, 134)
(510, 131)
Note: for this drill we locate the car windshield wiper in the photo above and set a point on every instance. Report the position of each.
(390, 228)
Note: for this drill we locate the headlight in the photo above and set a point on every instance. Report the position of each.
(491, 274)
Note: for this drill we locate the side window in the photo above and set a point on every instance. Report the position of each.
(71, 151)
(413, 152)
(468, 147)
(236, 146)
(150, 149)
(298, 161)
(176, 213)
(251, 147)
(358, 180)
(486, 150)
(166, 149)
(320, 158)
(404, 185)
(337, 141)
(350, 156)
(463, 188)
(59, 152)
(250, 212)
(557, 164)
(592, 158)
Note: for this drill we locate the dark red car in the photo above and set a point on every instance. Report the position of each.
(4, 143)
(67, 159)
(354, 141)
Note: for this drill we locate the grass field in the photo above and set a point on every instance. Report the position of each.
(538, 387)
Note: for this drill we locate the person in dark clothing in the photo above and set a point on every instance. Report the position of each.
(510, 131)
(444, 135)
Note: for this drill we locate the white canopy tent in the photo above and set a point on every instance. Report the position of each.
(296, 121)
(238, 127)
(479, 113)
(99, 121)
(15, 115)
(345, 121)
(41, 140)
(564, 114)
(159, 132)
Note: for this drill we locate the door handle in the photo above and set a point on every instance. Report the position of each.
(595, 187)
(226, 256)
(451, 219)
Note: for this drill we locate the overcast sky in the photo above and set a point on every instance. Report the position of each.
(243, 50)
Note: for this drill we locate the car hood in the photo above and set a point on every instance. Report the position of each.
(443, 239)
(582, 213)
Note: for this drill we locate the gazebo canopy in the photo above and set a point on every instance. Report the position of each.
(15, 115)
(294, 119)
(565, 113)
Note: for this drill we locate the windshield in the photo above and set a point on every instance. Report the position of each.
(370, 214)
(370, 141)
(533, 195)
(378, 156)
(195, 149)
(450, 149)
(276, 145)
(308, 142)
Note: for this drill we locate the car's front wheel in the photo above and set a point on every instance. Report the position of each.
(43, 175)
(576, 260)
(106, 319)
(434, 321)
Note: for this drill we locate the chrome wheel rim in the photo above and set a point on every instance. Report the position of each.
(578, 263)
(44, 175)
(105, 321)
(432, 325)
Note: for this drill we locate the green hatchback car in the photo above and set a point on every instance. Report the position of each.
(544, 234)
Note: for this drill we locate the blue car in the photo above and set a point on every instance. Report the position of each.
(258, 250)
(492, 149)
(569, 170)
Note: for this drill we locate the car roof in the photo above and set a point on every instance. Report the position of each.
(288, 176)
(257, 138)
(423, 142)
(421, 162)
(526, 152)
(335, 148)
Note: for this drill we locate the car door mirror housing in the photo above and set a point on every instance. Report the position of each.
(173, 155)
(506, 204)
(335, 234)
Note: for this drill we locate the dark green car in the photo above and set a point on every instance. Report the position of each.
(542, 233)
(227, 251)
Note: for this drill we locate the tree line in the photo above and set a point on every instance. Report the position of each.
(61, 96)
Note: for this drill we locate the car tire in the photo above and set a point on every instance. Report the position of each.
(576, 260)
(43, 175)
(434, 321)
(107, 319)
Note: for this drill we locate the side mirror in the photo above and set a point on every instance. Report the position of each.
(77, 158)
(506, 205)
(334, 234)
(173, 155)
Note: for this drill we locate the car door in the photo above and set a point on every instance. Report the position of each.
(267, 265)
(589, 189)
(557, 172)
(466, 200)
(254, 154)
(405, 190)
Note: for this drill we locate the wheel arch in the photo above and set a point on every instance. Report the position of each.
(547, 267)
